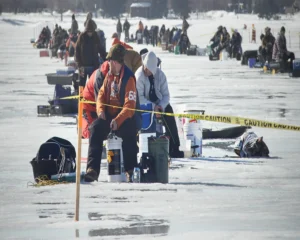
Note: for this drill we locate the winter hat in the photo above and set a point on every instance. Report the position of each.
(89, 15)
(116, 53)
(117, 41)
(267, 29)
(150, 62)
(282, 29)
(143, 51)
(90, 26)
(73, 16)
(115, 35)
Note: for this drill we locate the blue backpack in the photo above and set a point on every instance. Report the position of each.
(101, 35)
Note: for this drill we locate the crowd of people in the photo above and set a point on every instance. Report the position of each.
(271, 49)
(223, 41)
(156, 36)
(124, 78)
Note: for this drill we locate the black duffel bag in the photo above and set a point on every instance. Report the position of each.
(55, 156)
(247, 55)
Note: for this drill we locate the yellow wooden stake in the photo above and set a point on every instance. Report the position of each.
(78, 164)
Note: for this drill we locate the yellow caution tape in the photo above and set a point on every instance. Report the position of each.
(210, 118)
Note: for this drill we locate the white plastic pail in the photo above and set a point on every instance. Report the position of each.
(143, 143)
(193, 131)
(115, 162)
(224, 55)
(194, 112)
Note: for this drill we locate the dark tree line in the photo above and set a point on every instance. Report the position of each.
(268, 8)
(113, 8)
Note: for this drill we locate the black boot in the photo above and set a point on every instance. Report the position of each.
(176, 153)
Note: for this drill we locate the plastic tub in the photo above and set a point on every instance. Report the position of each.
(53, 78)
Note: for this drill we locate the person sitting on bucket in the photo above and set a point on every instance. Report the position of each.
(280, 52)
(216, 39)
(119, 90)
(90, 93)
(250, 145)
(152, 87)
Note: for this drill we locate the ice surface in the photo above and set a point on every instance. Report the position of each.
(207, 198)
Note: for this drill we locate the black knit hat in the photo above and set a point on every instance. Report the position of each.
(282, 29)
(73, 16)
(116, 53)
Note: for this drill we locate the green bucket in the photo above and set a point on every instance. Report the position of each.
(159, 150)
(209, 50)
(176, 50)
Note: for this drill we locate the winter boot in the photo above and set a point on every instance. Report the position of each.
(91, 175)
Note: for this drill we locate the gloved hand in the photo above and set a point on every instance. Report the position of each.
(102, 116)
(113, 125)
(158, 108)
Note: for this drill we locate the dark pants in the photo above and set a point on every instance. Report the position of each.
(288, 56)
(88, 71)
(221, 48)
(171, 129)
(98, 133)
(126, 35)
(183, 48)
(154, 40)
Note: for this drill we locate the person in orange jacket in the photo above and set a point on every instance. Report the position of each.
(119, 91)
(90, 93)
(141, 26)
(116, 40)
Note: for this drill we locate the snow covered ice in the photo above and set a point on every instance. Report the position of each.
(208, 198)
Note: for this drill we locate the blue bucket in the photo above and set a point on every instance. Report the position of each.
(148, 123)
(251, 62)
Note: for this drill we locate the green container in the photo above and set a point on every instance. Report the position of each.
(209, 50)
(159, 150)
(67, 177)
(176, 50)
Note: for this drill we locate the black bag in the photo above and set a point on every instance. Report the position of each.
(192, 50)
(147, 169)
(247, 55)
(56, 156)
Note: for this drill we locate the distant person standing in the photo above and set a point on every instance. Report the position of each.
(185, 25)
(74, 26)
(126, 27)
(119, 28)
(146, 34)
(253, 39)
(280, 52)
(296, 5)
(154, 35)
(88, 49)
(141, 26)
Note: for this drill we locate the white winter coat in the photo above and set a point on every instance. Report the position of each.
(160, 81)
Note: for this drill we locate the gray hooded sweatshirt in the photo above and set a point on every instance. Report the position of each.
(160, 81)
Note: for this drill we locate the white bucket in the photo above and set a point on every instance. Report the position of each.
(193, 131)
(143, 143)
(115, 162)
(194, 112)
(224, 55)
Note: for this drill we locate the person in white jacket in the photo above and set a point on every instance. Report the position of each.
(152, 87)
